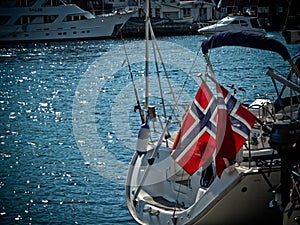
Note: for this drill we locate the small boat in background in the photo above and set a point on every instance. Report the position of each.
(234, 22)
(41, 20)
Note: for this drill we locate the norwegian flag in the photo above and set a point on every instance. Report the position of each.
(195, 142)
(226, 147)
(237, 128)
(213, 129)
(241, 118)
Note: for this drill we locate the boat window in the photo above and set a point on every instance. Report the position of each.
(4, 19)
(22, 20)
(52, 3)
(35, 19)
(235, 22)
(76, 17)
(50, 19)
(25, 3)
(243, 23)
(255, 23)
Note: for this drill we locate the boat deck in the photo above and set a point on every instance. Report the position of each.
(161, 202)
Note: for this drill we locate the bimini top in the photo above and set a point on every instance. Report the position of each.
(244, 39)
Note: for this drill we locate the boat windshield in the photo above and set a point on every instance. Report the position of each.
(224, 22)
(235, 22)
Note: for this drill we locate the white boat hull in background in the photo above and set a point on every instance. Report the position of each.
(40, 22)
(237, 23)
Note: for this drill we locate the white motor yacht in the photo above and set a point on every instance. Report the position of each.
(237, 22)
(41, 20)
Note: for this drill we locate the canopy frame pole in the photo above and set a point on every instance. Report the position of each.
(208, 63)
(282, 80)
(164, 68)
(294, 67)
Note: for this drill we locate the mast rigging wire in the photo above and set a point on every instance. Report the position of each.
(133, 84)
(164, 68)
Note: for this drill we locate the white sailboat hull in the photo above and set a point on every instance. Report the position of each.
(243, 202)
(239, 195)
(199, 177)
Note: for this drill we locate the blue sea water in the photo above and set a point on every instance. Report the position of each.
(66, 136)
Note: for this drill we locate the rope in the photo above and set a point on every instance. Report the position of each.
(164, 68)
(189, 73)
(177, 197)
(132, 80)
(158, 77)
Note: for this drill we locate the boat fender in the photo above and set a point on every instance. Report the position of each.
(143, 139)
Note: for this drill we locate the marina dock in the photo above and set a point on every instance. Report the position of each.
(133, 30)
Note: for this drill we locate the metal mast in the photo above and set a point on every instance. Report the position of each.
(147, 20)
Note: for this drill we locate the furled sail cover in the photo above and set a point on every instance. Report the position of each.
(244, 39)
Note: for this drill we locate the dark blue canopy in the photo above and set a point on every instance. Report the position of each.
(244, 39)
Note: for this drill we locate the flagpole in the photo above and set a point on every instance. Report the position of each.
(147, 56)
(213, 78)
(208, 63)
